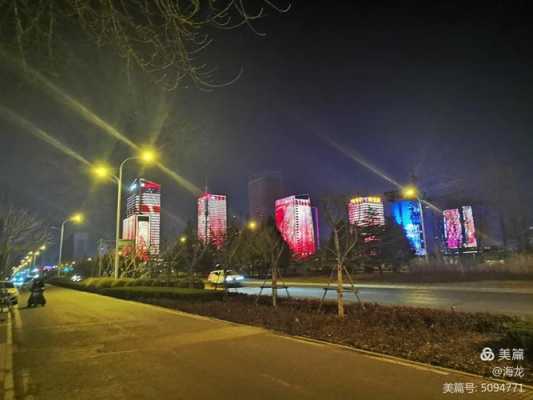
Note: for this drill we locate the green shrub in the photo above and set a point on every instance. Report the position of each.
(520, 334)
(89, 282)
(103, 283)
(119, 282)
(139, 293)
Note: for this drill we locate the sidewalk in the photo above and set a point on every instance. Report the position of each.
(480, 287)
(6, 357)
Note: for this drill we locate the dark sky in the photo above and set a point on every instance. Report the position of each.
(441, 91)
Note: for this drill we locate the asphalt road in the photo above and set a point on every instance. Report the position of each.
(507, 301)
(85, 346)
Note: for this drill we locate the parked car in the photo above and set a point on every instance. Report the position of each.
(231, 278)
(12, 292)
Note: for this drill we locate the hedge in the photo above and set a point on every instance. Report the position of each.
(106, 287)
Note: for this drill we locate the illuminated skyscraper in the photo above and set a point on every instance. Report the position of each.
(143, 210)
(212, 218)
(366, 211)
(294, 220)
(263, 191)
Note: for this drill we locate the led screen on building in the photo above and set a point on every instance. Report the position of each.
(294, 220)
(406, 213)
(459, 228)
(470, 229)
(453, 234)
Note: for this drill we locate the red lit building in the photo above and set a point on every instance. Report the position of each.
(212, 218)
(294, 220)
(143, 216)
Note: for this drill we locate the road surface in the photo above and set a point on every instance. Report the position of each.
(503, 301)
(84, 346)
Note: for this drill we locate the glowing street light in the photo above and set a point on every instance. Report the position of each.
(101, 171)
(252, 225)
(410, 192)
(148, 156)
(76, 218)
(42, 248)
(183, 239)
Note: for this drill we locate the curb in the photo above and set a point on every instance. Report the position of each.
(6, 372)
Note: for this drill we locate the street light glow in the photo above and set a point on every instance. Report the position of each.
(77, 218)
(101, 171)
(148, 156)
(252, 225)
(183, 239)
(410, 192)
(43, 247)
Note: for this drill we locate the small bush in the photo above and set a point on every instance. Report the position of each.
(119, 282)
(103, 283)
(521, 333)
(88, 282)
(143, 293)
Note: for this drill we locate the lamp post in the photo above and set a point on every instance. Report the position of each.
(147, 156)
(77, 219)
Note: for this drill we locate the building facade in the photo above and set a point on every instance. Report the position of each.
(212, 219)
(294, 219)
(143, 217)
(366, 211)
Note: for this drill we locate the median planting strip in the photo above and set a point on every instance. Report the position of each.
(439, 337)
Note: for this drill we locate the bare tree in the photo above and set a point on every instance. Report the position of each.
(343, 242)
(163, 37)
(19, 231)
(269, 244)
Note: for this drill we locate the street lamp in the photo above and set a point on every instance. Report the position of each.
(76, 219)
(146, 156)
(252, 225)
(183, 239)
(412, 192)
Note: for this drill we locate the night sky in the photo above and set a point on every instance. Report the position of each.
(444, 93)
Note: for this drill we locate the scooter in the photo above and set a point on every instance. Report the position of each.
(36, 298)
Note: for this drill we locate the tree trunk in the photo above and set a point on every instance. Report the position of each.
(340, 292)
(340, 288)
(274, 285)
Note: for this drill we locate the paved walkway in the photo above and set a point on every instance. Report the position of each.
(85, 346)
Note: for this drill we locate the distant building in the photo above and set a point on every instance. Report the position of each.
(80, 245)
(366, 211)
(143, 210)
(263, 191)
(212, 219)
(294, 220)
